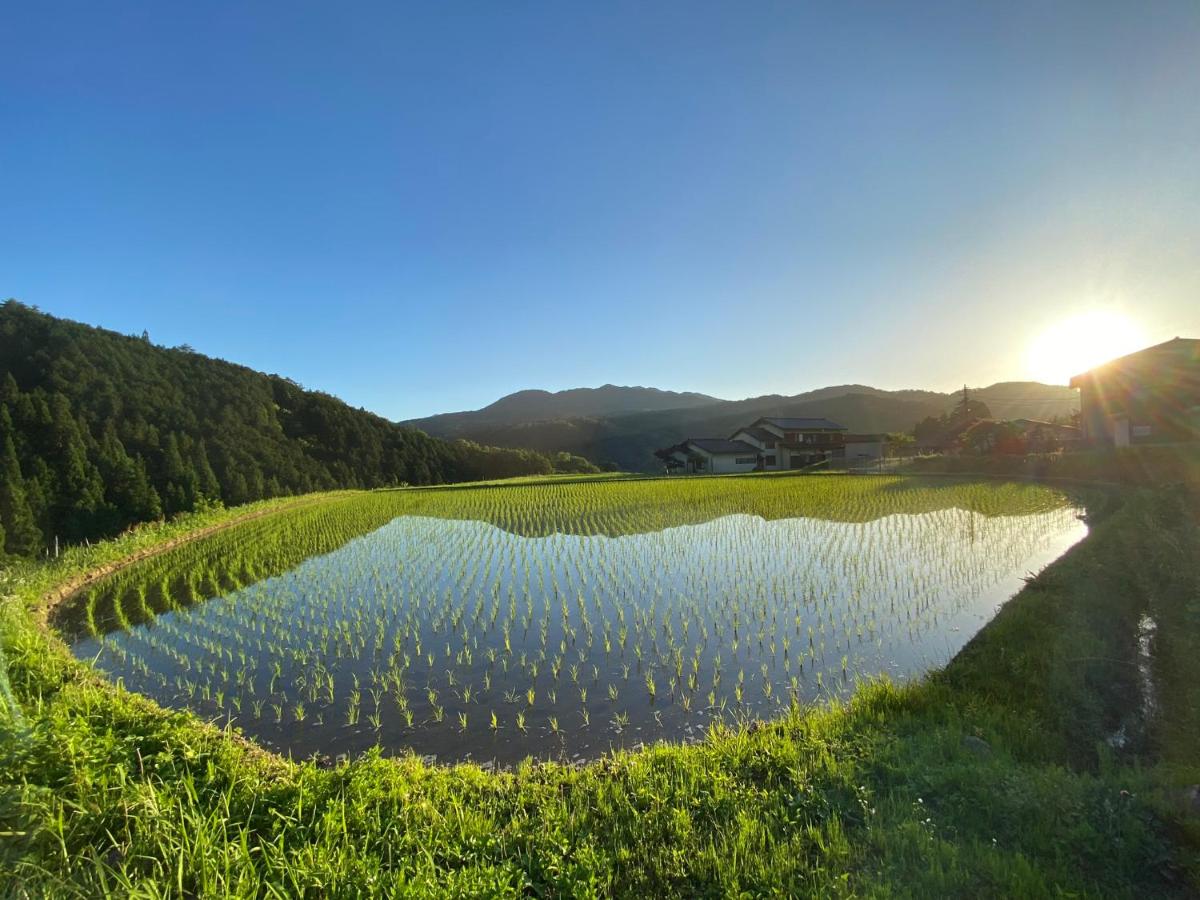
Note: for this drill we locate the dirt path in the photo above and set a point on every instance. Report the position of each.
(72, 586)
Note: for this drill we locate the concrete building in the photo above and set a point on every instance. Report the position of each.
(1148, 397)
(862, 449)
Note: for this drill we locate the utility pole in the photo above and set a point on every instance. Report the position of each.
(964, 407)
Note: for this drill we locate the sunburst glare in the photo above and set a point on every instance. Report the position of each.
(1081, 342)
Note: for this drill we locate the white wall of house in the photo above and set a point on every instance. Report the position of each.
(726, 463)
(780, 454)
(763, 449)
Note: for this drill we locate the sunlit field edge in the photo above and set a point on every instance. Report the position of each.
(992, 777)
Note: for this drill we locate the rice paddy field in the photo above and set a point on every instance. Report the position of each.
(562, 620)
(1052, 755)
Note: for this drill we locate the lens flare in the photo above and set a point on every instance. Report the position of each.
(1080, 343)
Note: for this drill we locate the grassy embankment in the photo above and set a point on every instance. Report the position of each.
(992, 777)
(1147, 465)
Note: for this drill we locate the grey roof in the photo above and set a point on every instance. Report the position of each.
(760, 434)
(720, 445)
(802, 424)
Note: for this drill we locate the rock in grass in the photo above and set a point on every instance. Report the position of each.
(978, 746)
(1191, 799)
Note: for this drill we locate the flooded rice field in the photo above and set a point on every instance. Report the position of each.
(459, 639)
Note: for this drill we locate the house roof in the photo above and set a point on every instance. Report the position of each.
(720, 445)
(1029, 425)
(801, 424)
(1042, 423)
(1176, 350)
(760, 434)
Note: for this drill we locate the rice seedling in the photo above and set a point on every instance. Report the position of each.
(713, 594)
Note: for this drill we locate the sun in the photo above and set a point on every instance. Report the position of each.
(1080, 343)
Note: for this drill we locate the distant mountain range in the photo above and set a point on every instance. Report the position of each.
(607, 400)
(623, 426)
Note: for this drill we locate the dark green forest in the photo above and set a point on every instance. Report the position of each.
(100, 431)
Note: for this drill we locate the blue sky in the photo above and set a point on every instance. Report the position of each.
(422, 207)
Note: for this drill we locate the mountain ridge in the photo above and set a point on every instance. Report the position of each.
(627, 438)
(572, 402)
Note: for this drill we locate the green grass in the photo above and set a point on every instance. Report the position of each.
(1144, 464)
(102, 792)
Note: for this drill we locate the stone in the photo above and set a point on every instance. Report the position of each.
(976, 745)
(1191, 799)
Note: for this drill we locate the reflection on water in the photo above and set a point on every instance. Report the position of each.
(461, 640)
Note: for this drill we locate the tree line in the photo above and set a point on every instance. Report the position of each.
(970, 428)
(100, 431)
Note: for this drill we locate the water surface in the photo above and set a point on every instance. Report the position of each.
(415, 635)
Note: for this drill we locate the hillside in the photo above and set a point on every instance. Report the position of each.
(99, 430)
(606, 400)
(628, 439)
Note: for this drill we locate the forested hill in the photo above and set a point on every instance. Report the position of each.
(99, 430)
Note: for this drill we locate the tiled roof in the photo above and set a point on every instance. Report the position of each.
(802, 424)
